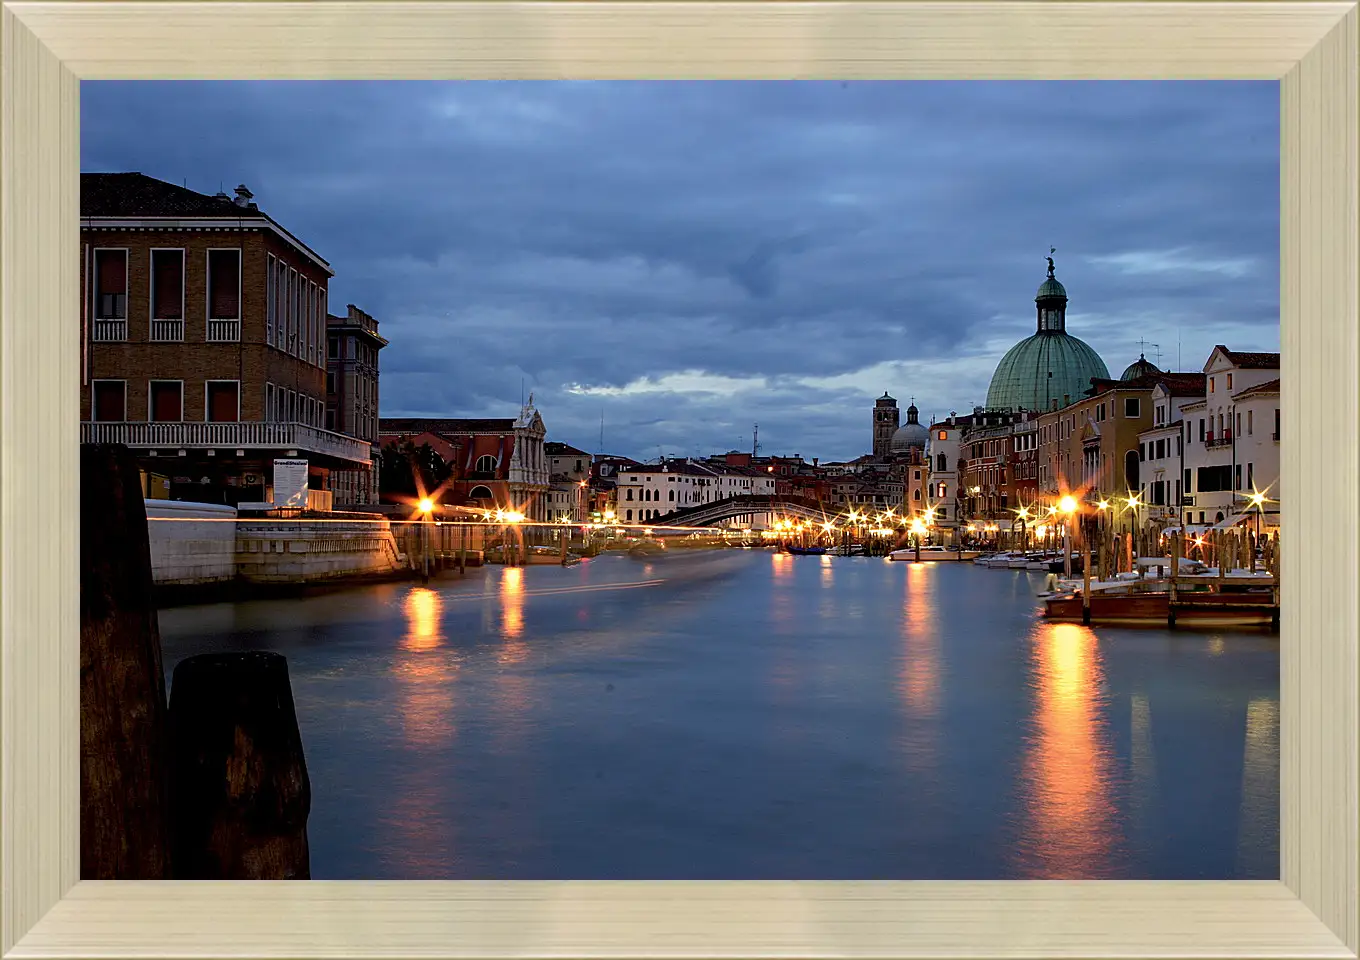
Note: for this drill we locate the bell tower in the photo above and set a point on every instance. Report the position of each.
(887, 418)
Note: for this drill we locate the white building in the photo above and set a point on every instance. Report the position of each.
(568, 480)
(649, 492)
(1161, 448)
(1231, 439)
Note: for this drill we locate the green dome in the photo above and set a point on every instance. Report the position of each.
(1139, 368)
(1047, 366)
(1050, 288)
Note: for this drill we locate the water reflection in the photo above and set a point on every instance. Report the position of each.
(919, 669)
(1259, 816)
(1070, 831)
(424, 672)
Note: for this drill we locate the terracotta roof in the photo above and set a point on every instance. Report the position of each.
(1270, 386)
(1183, 384)
(135, 196)
(555, 448)
(410, 425)
(1251, 361)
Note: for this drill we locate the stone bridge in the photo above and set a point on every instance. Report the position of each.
(709, 514)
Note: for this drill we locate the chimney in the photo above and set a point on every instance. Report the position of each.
(243, 196)
(814, 461)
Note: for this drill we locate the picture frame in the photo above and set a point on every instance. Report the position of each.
(46, 48)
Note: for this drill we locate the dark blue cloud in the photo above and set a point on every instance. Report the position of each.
(691, 258)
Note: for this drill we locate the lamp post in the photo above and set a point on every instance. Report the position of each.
(1258, 501)
(426, 508)
(1068, 506)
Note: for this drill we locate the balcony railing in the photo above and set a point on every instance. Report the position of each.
(241, 435)
(224, 331)
(110, 331)
(167, 331)
(1212, 441)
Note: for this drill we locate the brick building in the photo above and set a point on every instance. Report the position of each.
(352, 345)
(501, 461)
(203, 339)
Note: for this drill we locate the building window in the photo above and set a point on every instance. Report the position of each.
(1201, 430)
(1211, 390)
(224, 284)
(1237, 477)
(940, 463)
(1277, 424)
(166, 402)
(167, 286)
(916, 494)
(629, 514)
(1249, 422)
(330, 382)
(1132, 408)
(480, 493)
(110, 291)
(1189, 485)
(222, 401)
(672, 496)
(486, 464)
(110, 400)
(1251, 483)
(1230, 381)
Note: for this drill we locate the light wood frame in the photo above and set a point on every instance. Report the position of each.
(46, 48)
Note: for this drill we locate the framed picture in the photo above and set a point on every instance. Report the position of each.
(1301, 402)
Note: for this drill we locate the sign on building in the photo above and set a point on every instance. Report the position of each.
(290, 483)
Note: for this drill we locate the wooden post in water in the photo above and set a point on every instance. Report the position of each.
(1220, 555)
(1086, 581)
(1171, 587)
(239, 782)
(462, 548)
(124, 773)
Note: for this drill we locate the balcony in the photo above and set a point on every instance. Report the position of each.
(1222, 441)
(110, 330)
(224, 331)
(167, 331)
(240, 435)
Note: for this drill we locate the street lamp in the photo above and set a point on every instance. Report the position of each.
(1258, 501)
(1068, 506)
(426, 507)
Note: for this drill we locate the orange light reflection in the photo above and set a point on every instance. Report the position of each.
(1068, 767)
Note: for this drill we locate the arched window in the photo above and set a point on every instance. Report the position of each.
(672, 496)
(916, 494)
(480, 493)
(1131, 469)
(630, 494)
(940, 462)
(486, 464)
(630, 516)
(940, 494)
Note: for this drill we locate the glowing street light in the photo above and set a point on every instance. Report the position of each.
(426, 505)
(1067, 505)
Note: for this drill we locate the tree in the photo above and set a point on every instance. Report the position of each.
(401, 464)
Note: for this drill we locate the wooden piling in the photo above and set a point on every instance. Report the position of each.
(124, 775)
(239, 786)
(1086, 582)
(1171, 586)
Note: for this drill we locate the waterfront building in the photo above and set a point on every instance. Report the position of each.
(1232, 437)
(602, 484)
(886, 421)
(352, 345)
(1090, 448)
(943, 455)
(568, 479)
(203, 340)
(988, 460)
(1162, 446)
(1049, 369)
(502, 464)
(651, 492)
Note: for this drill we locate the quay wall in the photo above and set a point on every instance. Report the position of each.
(191, 543)
(203, 544)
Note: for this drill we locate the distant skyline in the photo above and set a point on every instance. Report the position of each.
(691, 258)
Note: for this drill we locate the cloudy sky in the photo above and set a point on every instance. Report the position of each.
(688, 259)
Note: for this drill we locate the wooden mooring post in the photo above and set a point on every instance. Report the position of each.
(124, 775)
(1176, 553)
(239, 786)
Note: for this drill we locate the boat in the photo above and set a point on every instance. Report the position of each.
(806, 551)
(1038, 561)
(1018, 561)
(933, 554)
(1055, 564)
(999, 561)
(1154, 607)
(982, 558)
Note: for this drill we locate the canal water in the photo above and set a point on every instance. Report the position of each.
(748, 715)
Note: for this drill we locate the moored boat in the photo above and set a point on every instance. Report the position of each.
(933, 553)
(999, 561)
(807, 551)
(1155, 607)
